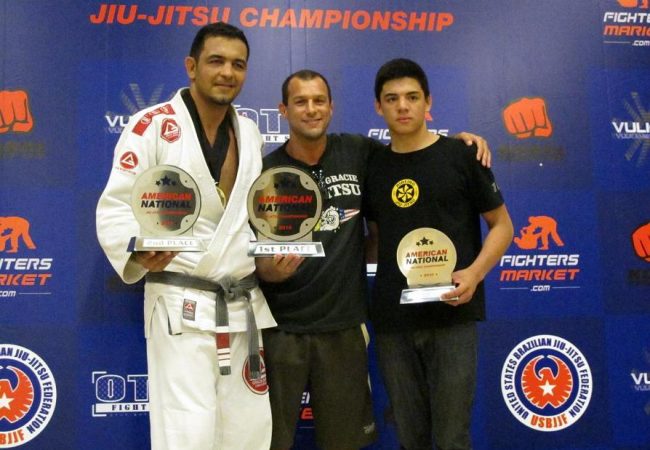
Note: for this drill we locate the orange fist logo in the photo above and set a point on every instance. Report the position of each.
(14, 112)
(633, 3)
(527, 117)
(641, 242)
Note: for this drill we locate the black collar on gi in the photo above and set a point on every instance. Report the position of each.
(215, 155)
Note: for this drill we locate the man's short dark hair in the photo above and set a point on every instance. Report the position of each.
(304, 75)
(217, 29)
(400, 68)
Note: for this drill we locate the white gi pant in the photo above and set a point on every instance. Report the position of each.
(194, 407)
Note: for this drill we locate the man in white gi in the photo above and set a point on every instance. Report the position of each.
(197, 400)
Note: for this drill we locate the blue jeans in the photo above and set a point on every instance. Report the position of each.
(430, 377)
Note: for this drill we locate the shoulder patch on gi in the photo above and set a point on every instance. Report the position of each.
(170, 131)
(145, 121)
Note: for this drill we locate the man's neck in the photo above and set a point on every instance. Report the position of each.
(305, 150)
(211, 114)
(407, 143)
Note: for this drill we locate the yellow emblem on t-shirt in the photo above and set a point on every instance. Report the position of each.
(405, 193)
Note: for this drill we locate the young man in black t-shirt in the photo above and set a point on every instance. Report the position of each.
(428, 351)
(320, 304)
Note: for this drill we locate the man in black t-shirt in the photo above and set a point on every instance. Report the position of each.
(320, 304)
(428, 351)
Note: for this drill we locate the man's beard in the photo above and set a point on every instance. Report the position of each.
(222, 100)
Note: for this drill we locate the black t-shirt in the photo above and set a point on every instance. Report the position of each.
(330, 293)
(454, 189)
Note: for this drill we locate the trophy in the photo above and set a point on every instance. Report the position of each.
(284, 205)
(166, 203)
(426, 257)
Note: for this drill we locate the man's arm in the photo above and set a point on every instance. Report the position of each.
(483, 153)
(278, 268)
(372, 242)
(495, 245)
(153, 261)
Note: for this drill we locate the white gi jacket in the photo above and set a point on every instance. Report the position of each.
(145, 143)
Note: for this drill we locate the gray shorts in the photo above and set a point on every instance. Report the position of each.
(335, 365)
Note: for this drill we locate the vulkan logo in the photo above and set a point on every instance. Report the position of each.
(133, 100)
(15, 114)
(637, 129)
(536, 234)
(527, 118)
(539, 270)
(268, 121)
(641, 380)
(12, 231)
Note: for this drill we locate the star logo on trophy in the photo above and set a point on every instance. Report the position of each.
(285, 183)
(165, 181)
(424, 241)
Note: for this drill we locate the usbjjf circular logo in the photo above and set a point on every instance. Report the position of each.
(546, 383)
(27, 395)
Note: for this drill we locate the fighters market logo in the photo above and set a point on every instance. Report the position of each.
(629, 24)
(17, 121)
(21, 272)
(120, 395)
(641, 247)
(27, 395)
(133, 100)
(269, 122)
(636, 128)
(546, 383)
(527, 119)
(540, 267)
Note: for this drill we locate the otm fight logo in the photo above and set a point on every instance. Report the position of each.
(546, 383)
(27, 395)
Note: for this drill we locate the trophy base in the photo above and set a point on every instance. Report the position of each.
(166, 244)
(271, 248)
(425, 294)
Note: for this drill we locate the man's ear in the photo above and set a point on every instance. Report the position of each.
(378, 108)
(190, 67)
(283, 109)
